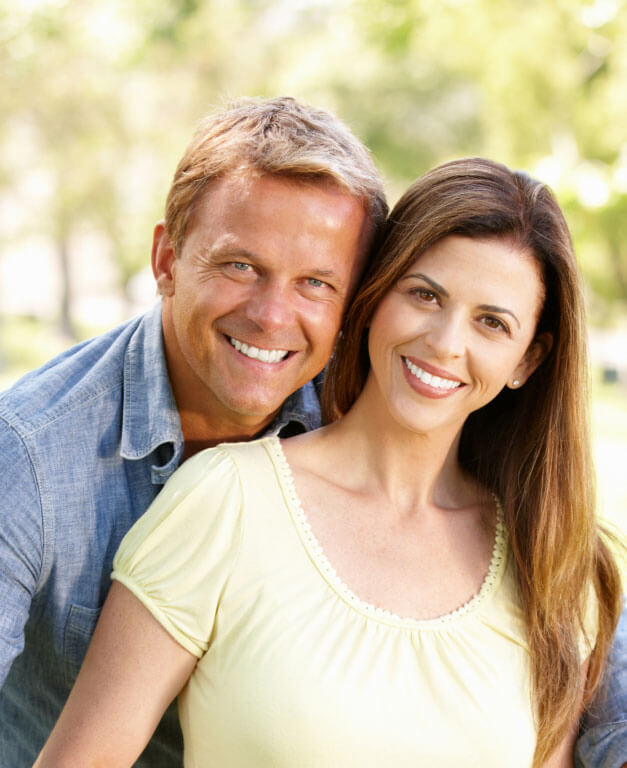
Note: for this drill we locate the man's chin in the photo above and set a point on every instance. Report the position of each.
(253, 407)
(252, 412)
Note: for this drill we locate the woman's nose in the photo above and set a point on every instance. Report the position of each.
(446, 335)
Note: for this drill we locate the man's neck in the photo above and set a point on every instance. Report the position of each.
(199, 433)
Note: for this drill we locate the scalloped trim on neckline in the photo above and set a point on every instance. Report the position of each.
(488, 586)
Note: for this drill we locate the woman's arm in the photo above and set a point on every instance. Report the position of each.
(132, 671)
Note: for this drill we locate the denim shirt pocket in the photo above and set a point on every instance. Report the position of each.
(79, 628)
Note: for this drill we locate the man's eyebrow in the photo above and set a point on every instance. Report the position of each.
(236, 253)
(229, 251)
(440, 289)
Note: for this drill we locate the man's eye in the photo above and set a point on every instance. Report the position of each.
(241, 266)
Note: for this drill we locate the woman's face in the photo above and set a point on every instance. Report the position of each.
(454, 330)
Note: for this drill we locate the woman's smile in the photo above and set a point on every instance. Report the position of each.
(428, 382)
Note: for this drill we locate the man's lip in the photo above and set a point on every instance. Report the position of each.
(264, 347)
(433, 370)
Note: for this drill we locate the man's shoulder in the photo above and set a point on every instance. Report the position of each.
(69, 381)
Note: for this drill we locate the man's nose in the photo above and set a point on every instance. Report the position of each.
(269, 306)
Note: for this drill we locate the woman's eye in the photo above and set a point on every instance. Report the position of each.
(494, 323)
(315, 283)
(241, 266)
(424, 294)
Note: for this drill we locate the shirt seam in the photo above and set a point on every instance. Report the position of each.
(26, 429)
(47, 529)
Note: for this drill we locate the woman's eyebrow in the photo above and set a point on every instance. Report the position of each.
(436, 286)
(499, 310)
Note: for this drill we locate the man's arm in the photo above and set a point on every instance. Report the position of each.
(602, 739)
(21, 544)
(132, 671)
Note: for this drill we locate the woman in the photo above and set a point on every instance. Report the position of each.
(442, 596)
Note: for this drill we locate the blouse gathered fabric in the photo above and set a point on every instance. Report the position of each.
(294, 669)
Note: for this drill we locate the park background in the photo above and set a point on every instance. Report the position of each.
(100, 97)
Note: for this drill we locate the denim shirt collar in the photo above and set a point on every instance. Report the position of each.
(301, 409)
(150, 417)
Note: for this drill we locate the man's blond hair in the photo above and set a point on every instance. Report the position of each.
(280, 137)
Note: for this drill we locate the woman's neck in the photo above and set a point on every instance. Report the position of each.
(412, 470)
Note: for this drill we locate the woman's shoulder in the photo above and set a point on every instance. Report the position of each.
(221, 464)
(204, 495)
(179, 555)
(248, 452)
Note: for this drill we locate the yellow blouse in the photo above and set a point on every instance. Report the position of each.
(294, 670)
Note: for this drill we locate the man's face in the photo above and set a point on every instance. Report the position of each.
(253, 303)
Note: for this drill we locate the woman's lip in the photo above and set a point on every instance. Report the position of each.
(427, 390)
(432, 369)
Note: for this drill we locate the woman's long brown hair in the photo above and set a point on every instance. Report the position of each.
(530, 446)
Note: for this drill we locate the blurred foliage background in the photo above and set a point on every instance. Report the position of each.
(99, 99)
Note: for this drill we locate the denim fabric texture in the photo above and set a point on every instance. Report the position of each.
(602, 741)
(86, 443)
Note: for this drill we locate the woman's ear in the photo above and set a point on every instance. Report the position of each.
(536, 352)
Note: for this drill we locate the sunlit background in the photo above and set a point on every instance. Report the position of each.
(99, 99)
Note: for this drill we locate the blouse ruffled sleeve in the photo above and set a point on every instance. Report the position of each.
(178, 556)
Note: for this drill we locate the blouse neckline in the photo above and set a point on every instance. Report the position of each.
(489, 585)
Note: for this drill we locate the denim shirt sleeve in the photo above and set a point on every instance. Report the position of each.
(21, 544)
(602, 740)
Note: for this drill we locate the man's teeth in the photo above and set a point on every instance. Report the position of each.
(265, 355)
(430, 379)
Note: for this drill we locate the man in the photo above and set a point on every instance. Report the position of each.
(269, 223)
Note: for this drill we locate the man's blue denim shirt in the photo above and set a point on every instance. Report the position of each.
(603, 738)
(86, 443)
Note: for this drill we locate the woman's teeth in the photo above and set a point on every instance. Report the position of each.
(265, 355)
(427, 378)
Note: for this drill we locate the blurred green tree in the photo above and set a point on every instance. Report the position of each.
(98, 100)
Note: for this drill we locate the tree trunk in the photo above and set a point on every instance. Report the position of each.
(66, 325)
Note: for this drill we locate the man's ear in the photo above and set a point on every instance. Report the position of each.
(163, 258)
(536, 352)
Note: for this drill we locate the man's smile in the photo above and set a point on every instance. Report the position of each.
(256, 353)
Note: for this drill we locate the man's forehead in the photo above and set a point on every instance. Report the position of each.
(254, 195)
(243, 182)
